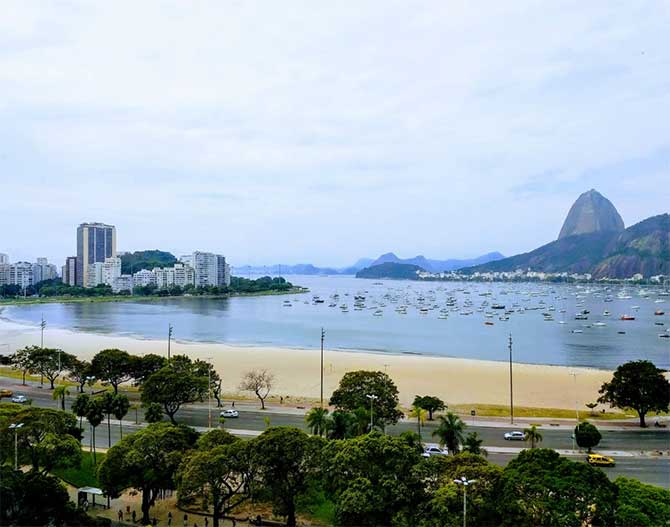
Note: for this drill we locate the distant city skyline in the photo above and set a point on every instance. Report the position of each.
(319, 133)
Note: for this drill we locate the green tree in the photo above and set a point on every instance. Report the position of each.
(146, 365)
(539, 487)
(444, 503)
(49, 362)
(60, 393)
(638, 385)
(113, 366)
(473, 445)
(317, 420)
(153, 412)
(146, 461)
(220, 476)
(450, 430)
(641, 505)
(430, 403)
(372, 479)
(80, 406)
(419, 413)
(341, 425)
(80, 370)
(215, 437)
(22, 360)
(120, 408)
(95, 413)
(172, 387)
(107, 400)
(587, 435)
(356, 386)
(533, 435)
(285, 459)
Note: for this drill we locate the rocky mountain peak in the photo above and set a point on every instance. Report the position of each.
(592, 212)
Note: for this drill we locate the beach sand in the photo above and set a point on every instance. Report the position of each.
(455, 380)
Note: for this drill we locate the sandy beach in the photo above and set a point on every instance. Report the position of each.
(296, 371)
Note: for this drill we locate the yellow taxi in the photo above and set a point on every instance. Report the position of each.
(599, 460)
(6, 393)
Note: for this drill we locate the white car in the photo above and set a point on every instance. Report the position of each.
(515, 436)
(20, 399)
(434, 450)
(230, 412)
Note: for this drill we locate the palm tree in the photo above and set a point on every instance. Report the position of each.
(95, 413)
(341, 425)
(450, 431)
(80, 406)
(60, 392)
(473, 444)
(420, 415)
(533, 435)
(317, 420)
(121, 405)
(107, 400)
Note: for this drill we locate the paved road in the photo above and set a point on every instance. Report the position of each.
(654, 470)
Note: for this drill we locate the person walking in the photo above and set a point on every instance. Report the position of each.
(169, 518)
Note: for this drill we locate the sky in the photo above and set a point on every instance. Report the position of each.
(323, 132)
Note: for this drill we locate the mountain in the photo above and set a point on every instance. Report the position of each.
(133, 262)
(436, 266)
(592, 212)
(390, 270)
(642, 248)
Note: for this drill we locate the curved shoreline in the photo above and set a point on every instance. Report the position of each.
(455, 380)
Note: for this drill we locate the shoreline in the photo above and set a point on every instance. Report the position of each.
(455, 380)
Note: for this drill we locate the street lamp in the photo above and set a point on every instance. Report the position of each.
(465, 482)
(15, 427)
(43, 325)
(372, 398)
(90, 380)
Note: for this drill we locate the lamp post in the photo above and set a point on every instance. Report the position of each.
(169, 338)
(574, 375)
(465, 482)
(15, 427)
(323, 336)
(372, 400)
(90, 380)
(209, 393)
(43, 325)
(511, 389)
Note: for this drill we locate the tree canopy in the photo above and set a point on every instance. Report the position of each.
(430, 403)
(113, 366)
(587, 435)
(356, 386)
(638, 385)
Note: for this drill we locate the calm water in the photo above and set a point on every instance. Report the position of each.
(268, 321)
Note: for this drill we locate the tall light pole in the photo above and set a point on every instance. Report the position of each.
(323, 336)
(574, 375)
(465, 482)
(169, 338)
(15, 427)
(43, 325)
(372, 398)
(511, 384)
(209, 393)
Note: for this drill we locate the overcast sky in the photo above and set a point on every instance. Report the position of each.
(325, 131)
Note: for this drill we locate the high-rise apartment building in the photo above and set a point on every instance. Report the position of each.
(43, 270)
(69, 272)
(180, 274)
(210, 268)
(95, 243)
(4, 259)
(111, 270)
(21, 274)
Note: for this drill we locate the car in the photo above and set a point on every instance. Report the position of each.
(230, 412)
(516, 435)
(20, 399)
(600, 460)
(434, 450)
(6, 393)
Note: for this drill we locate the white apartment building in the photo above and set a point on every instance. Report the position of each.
(4, 259)
(111, 270)
(180, 275)
(4, 274)
(21, 274)
(43, 270)
(210, 269)
(94, 274)
(143, 278)
(123, 282)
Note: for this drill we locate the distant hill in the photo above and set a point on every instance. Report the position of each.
(437, 266)
(133, 262)
(642, 248)
(390, 270)
(592, 212)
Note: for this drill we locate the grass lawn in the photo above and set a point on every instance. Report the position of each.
(499, 410)
(82, 476)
